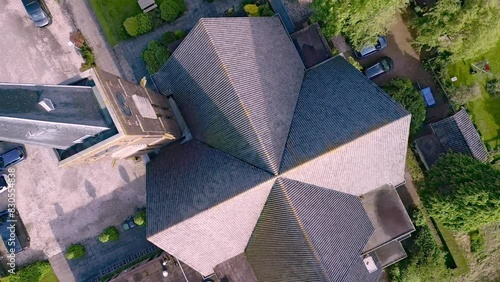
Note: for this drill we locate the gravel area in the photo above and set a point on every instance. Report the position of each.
(61, 206)
(35, 55)
(298, 10)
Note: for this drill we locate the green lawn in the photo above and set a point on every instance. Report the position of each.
(111, 15)
(37, 272)
(485, 111)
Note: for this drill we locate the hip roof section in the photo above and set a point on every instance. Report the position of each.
(236, 81)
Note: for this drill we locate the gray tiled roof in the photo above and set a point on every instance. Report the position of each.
(458, 134)
(187, 179)
(236, 81)
(309, 233)
(347, 134)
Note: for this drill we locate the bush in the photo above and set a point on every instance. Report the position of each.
(252, 10)
(476, 241)
(140, 217)
(179, 34)
(131, 26)
(493, 87)
(75, 251)
(155, 18)
(88, 57)
(144, 22)
(168, 38)
(464, 94)
(355, 63)
(265, 11)
(169, 11)
(31, 273)
(246, 2)
(403, 91)
(155, 56)
(109, 234)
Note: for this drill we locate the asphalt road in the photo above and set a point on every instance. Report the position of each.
(35, 55)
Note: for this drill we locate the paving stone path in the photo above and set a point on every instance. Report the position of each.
(129, 52)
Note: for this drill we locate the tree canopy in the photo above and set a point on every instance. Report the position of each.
(403, 91)
(466, 29)
(360, 21)
(462, 192)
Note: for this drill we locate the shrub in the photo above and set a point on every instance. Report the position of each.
(168, 38)
(155, 56)
(252, 10)
(155, 18)
(109, 234)
(179, 34)
(88, 57)
(31, 273)
(75, 251)
(144, 22)
(265, 11)
(140, 217)
(463, 94)
(493, 87)
(476, 241)
(131, 26)
(169, 10)
(403, 91)
(355, 63)
(246, 2)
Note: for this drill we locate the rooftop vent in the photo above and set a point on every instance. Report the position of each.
(47, 105)
(370, 264)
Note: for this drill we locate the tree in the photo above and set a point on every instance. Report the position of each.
(360, 21)
(462, 193)
(466, 29)
(109, 234)
(403, 91)
(131, 26)
(75, 251)
(169, 10)
(140, 217)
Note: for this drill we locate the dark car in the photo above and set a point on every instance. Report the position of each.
(4, 182)
(382, 66)
(11, 158)
(37, 12)
(9, 232)
(368, 50)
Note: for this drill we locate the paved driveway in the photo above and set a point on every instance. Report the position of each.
(407, 64)
(32, 55)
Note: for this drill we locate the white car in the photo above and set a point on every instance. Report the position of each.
(4, 182)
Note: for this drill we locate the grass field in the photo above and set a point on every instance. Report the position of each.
(485, 111)
(112, 13)
(38, 272)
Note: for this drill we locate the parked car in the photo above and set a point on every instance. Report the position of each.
(11, 158)
(4, 182)
(11, 237)
(368, 50)
(382, 66)
(37, 12)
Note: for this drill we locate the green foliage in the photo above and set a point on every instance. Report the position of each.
(88, 57)
(252, 10)
(144, 22)
(140, 217)
(477, 242)
(155, 56)
(179, 34)
(155, 18)
(265, 11)
(109, 234)
(464, 28)
(360, 21)
(75, 251)
(355, 63)
(414, 168)
(131, 26)
(169, 10)
(168, 38)
(403, 91)
(462, 193)
(31, 273)
(493, 87)
(455, 259)
(425, 261)
(461, 95)
(246, 2)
